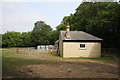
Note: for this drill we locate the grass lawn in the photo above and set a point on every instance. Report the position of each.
(105, 59)
(33, 64)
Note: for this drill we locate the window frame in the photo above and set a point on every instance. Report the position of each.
(82, 47)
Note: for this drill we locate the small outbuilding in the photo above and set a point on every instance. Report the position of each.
(78, 44)
(42, 47)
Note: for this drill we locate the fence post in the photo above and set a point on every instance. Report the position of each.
(17, 50)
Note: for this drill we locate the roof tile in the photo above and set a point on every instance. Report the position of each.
(79, 35)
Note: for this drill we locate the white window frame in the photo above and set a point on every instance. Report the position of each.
(83, 47)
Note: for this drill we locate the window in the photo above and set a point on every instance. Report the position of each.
(82, 46)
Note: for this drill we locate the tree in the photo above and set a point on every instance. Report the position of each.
(26, 39)
(0, 40)
(100, 19)
(12, 39)
(53, 36)
(61, 27)
(39, 33)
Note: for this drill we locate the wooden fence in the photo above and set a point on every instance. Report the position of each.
(24, 49)
(52, 51)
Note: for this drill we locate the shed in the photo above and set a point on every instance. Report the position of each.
(78, 44)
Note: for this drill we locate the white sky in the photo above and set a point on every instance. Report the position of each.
(21, 16)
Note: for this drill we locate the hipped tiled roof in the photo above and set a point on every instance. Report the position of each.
(79, 35)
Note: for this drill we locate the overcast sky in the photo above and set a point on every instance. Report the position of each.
(21, 16)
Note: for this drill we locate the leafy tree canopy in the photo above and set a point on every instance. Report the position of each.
(100, 19)
(39, 33)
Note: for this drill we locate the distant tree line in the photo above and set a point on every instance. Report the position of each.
(100, 19)
(41, 34)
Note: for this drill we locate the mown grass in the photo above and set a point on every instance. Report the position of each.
(106, 59)
(17, 59)
(12, 60)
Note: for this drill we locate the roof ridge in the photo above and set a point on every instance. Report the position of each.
(91, 35)
(80, 35)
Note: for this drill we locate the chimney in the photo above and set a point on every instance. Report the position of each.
(68, 31)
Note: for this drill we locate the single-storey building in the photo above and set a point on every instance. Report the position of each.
(42, 47)
(45, 47)
(78, 44)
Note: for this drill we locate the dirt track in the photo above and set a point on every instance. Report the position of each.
(72, 70)
(58, 68)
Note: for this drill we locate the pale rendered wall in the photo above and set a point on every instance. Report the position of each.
(72, 49)
(60, 46)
